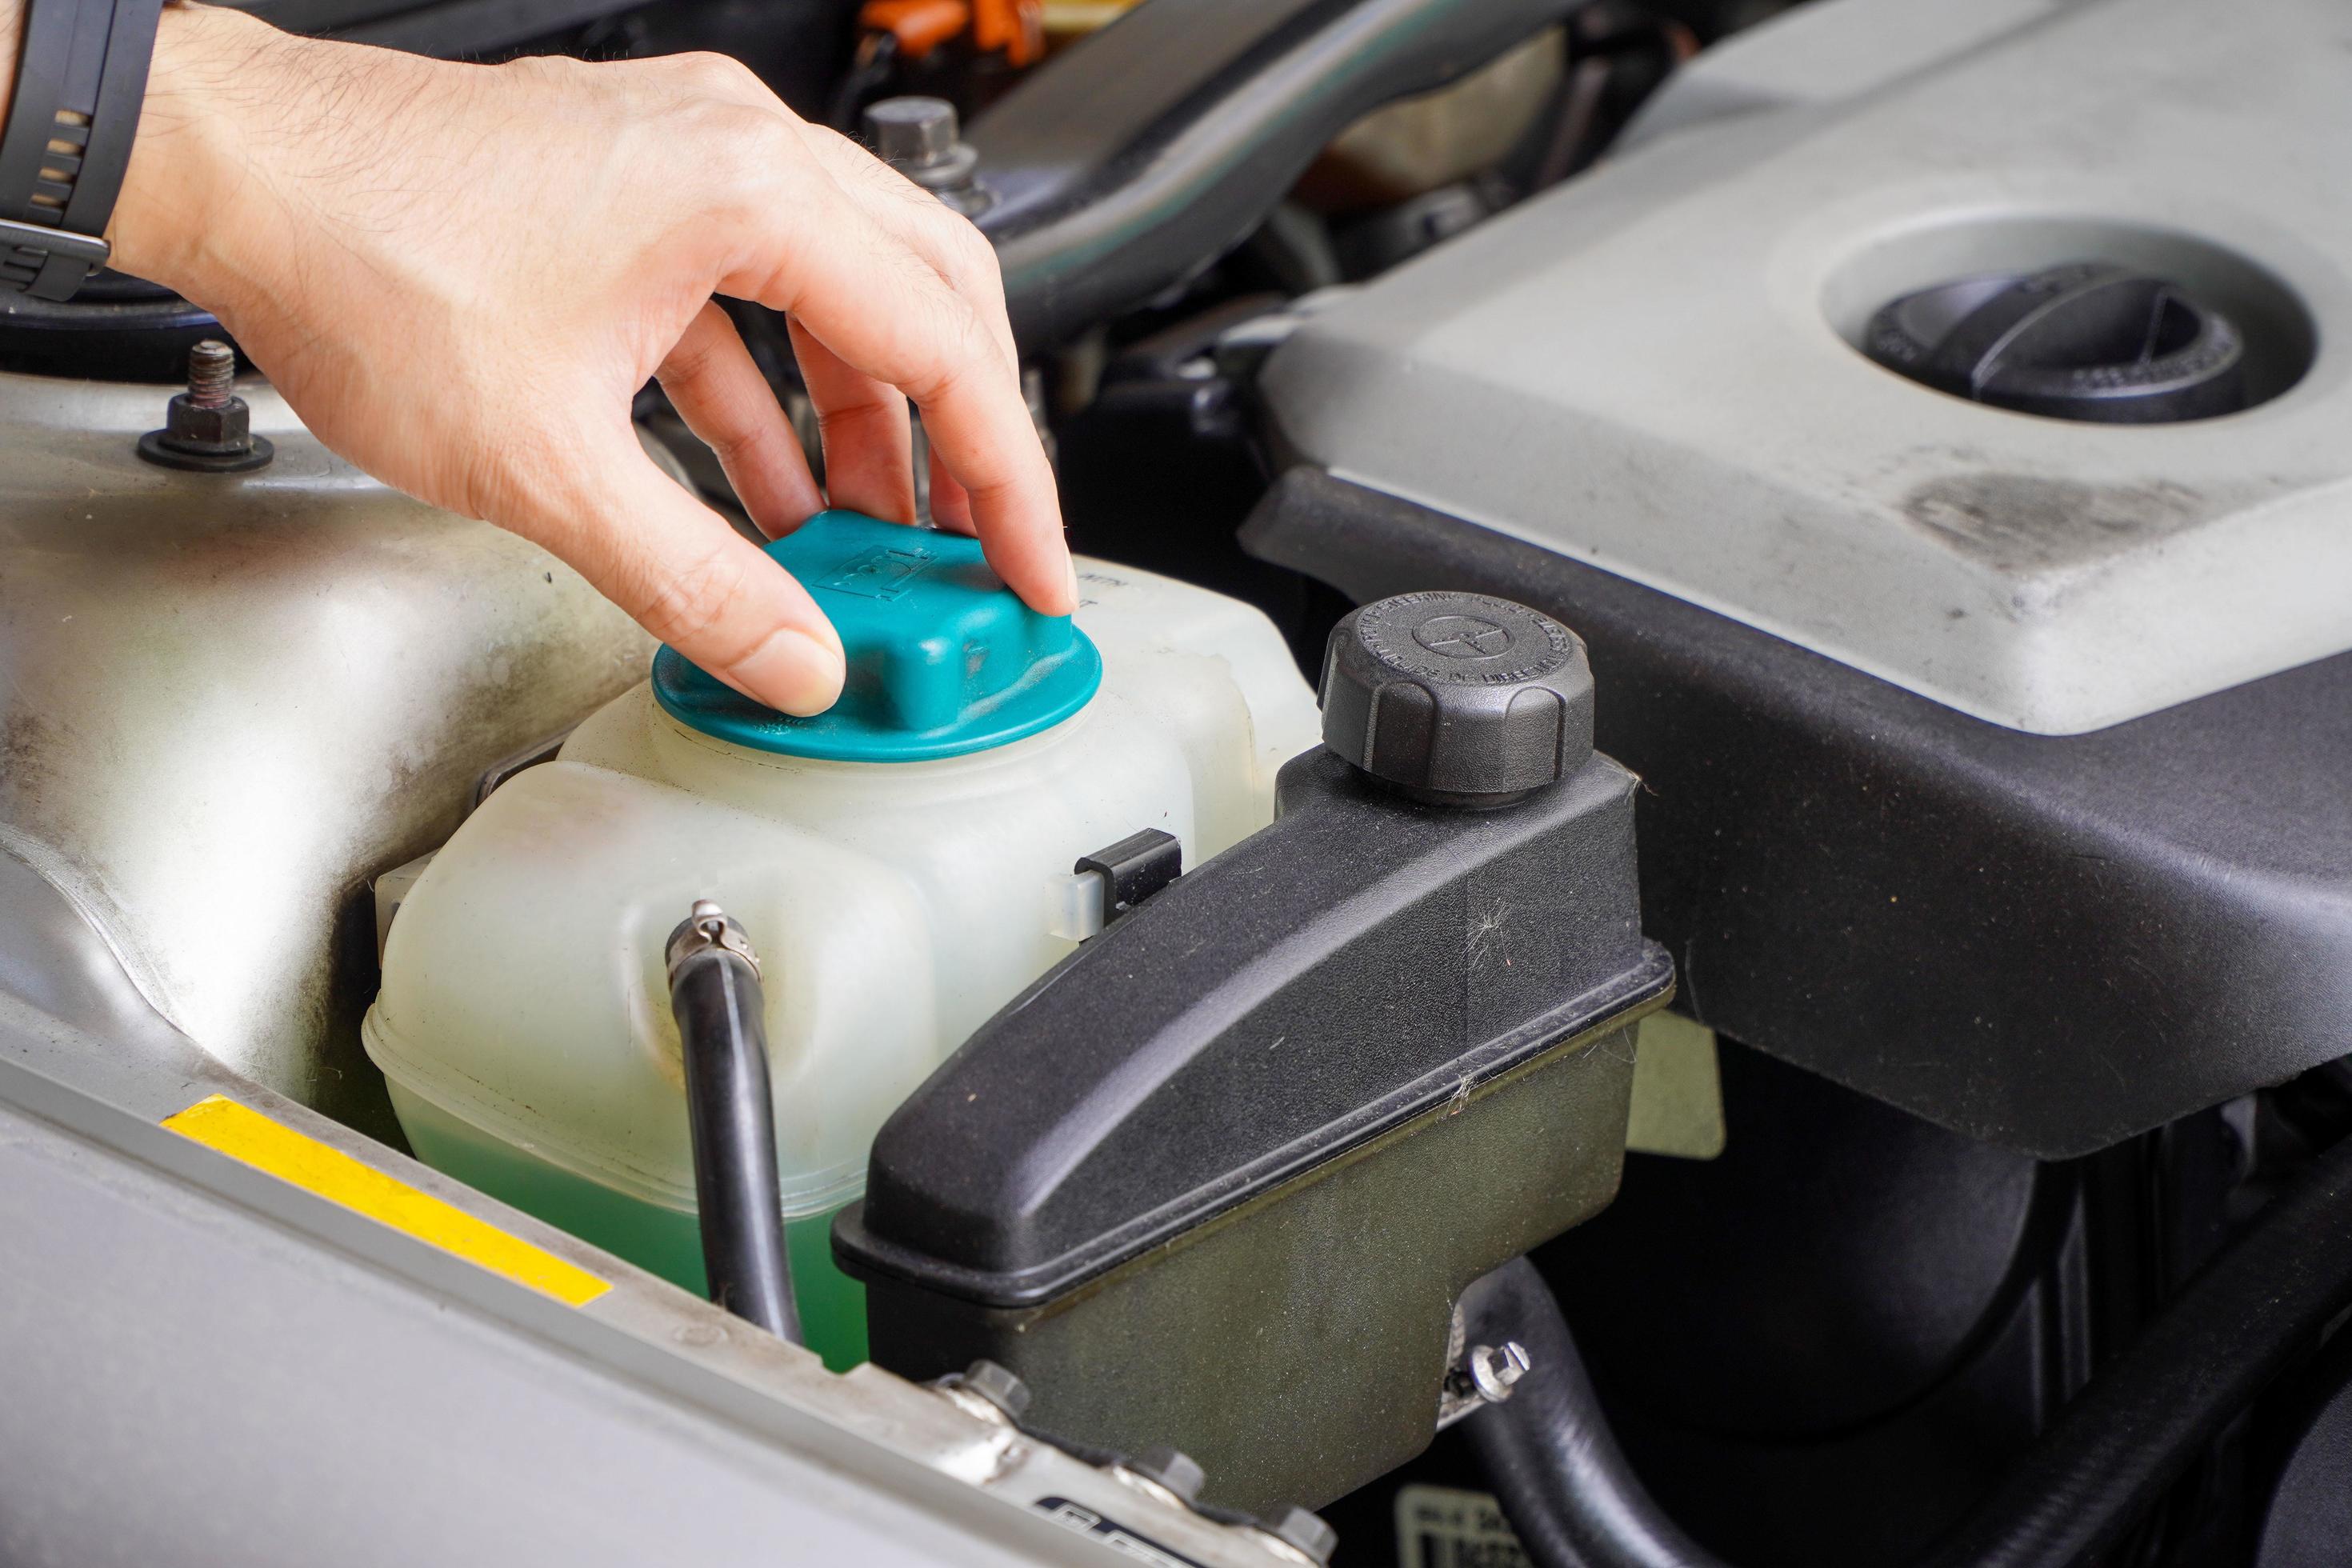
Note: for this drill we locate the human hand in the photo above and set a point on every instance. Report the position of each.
(460, 275)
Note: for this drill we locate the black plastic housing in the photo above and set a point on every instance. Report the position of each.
(2050, 942)
(1271, 1123)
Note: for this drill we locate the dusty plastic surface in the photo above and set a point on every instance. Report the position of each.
(1271, 1123)
(1653, 369)
(894, 907)
(2075, 939)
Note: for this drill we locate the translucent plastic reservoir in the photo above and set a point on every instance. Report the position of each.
(524, 1021)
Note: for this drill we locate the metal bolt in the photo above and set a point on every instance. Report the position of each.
(1485, 1375)
(917, 130)
(999, 1386)
(921, 138)
(208, 428)
(1172, 1468)
(1303, 1532)
(1491, 1372)
(1481, 1376)
(212, 374)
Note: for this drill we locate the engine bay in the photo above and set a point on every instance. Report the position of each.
(1682, 895)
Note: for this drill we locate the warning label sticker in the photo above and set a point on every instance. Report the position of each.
(1443, 1527)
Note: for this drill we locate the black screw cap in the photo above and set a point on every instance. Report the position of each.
(2087, 340)
(1457, 699)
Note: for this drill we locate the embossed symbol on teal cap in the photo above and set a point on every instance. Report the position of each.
(880, 571)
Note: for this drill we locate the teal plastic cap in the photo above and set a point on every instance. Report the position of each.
(943, 658)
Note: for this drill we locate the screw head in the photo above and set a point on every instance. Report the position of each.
(1172, 1468)
(919, 137)
(912, 130)
(1304, 1532)
(1492, 1372)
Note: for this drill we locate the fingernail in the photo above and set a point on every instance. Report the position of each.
(793, 672)
(1073, 567)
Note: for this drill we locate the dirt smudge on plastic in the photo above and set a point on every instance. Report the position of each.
(2026, 522)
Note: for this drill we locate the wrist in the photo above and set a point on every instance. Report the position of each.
(76, 75)
(12, 22)
(179, 220)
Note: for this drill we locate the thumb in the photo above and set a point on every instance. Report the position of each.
(689, 579)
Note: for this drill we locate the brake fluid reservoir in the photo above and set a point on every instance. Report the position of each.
(903, 864)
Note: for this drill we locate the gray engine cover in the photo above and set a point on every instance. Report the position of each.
(1652, 370)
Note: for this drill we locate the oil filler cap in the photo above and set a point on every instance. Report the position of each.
(943, 658)
(2087, 340)
(1457, 699)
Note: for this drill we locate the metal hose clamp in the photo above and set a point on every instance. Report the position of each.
(708, 927)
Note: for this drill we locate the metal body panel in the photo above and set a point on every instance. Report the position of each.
(229, 700)
(1653, 369)
(206, 1365)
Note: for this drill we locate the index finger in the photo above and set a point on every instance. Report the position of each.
(883, 309)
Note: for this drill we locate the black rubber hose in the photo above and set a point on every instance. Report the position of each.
(1547, 1450)
(2105, 1462)
(714, 994)
(1128, 164)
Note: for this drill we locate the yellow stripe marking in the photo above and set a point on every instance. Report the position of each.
(243, 1133)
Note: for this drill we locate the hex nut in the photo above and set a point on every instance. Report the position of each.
(1304, 1532)
(917, 130)
(1172, 1468)
(226, 427)
(208, 428)
(157, 448)
(999, 1386)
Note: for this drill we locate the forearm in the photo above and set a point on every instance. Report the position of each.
(459, 276)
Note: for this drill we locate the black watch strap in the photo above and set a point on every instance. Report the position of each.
(81, 78)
